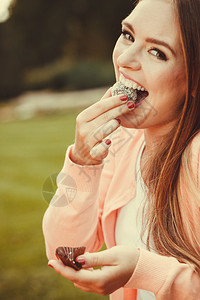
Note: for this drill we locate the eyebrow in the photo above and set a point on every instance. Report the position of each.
(151, 40)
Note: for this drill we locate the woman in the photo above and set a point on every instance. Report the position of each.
(136, 166)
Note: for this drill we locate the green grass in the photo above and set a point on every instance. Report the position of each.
(31, 151)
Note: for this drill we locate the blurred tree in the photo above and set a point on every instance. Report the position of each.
(41, 33)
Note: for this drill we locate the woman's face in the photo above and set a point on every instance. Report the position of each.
(149, 52)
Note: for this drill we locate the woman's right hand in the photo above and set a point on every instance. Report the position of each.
(93, 125)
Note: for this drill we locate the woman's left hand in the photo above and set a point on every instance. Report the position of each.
(117, 265)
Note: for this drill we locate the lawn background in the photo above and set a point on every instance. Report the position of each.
(30, 152)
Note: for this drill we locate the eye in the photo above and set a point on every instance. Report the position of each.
(157, 53)
(126, 35)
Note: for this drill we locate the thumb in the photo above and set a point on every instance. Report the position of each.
(90, 260)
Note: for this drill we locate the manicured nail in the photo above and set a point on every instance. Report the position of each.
(131, 105)
(108, 142)
(81, 261)
(118, 120)
(123, 98)
(51, 266)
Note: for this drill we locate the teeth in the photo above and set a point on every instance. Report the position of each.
(126, 83)
(130, 83)
(135, 86)
(121, 77)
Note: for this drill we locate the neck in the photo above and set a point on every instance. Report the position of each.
(153, 136)
(155, 140)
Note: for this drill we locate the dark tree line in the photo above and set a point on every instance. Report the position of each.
(41, 32)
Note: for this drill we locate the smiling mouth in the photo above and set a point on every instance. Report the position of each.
(132, 90)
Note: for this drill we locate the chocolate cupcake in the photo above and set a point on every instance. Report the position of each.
(119, 88)
(68, 255)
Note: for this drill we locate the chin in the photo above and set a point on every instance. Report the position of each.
(128, 123)
(136, 120)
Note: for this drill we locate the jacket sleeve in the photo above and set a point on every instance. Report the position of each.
(73, 217)
(165, 276)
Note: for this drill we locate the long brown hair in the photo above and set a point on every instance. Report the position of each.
(164, 216)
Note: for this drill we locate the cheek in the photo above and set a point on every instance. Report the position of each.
(177, 87)
(172, 81)
(116, 54)
(174, 90)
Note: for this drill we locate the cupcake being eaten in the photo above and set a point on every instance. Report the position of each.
(131, 89)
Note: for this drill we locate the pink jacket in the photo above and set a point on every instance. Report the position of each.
(84, 210)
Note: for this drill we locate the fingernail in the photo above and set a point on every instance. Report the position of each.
(131, 105)
(123, 98)
(50, 266)
(81, 261)
(118, 120)
(108, 142)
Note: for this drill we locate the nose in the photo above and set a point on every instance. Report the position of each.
(129, 58)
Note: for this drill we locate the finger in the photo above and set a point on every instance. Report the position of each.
(63, 270)
(104, 130)
(82, 288)
(107, 94)
(113, 113)
(102, 258)
(102, 106)
(100, 150)
(83, 276)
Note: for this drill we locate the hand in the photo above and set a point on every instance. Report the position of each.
(117, 266)
(93, 125)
